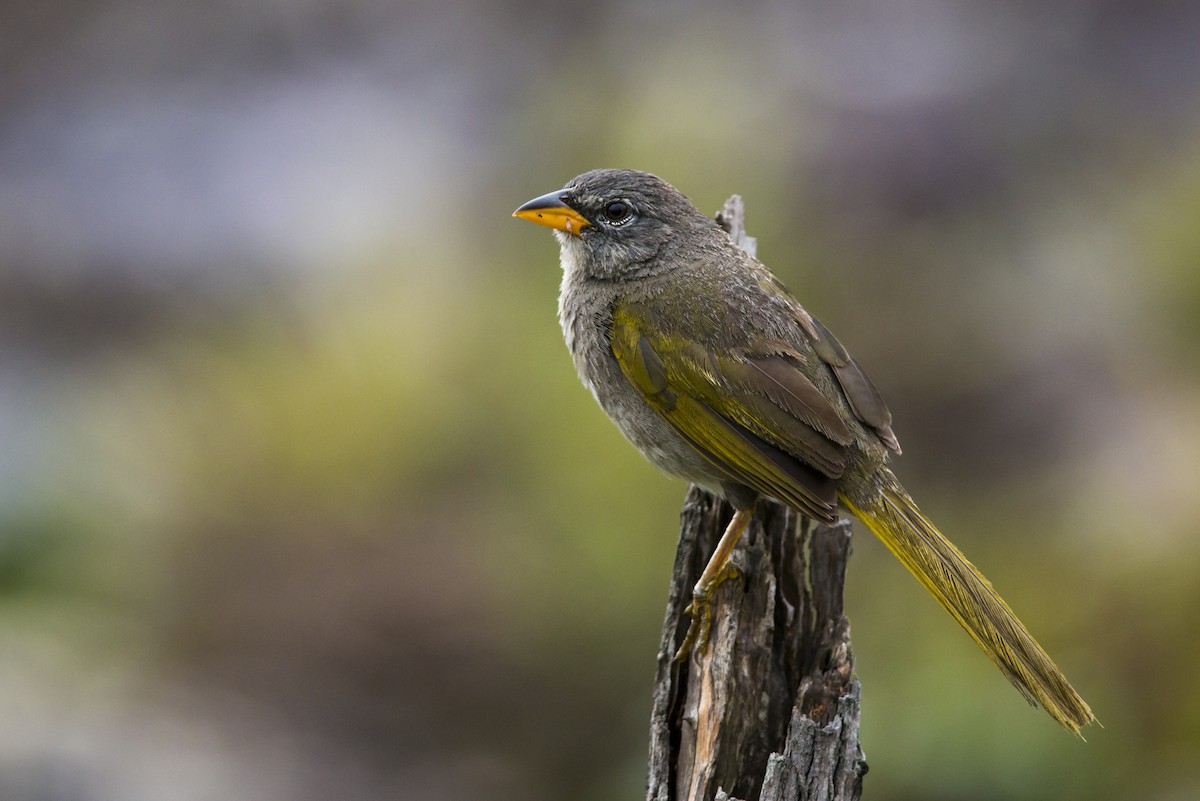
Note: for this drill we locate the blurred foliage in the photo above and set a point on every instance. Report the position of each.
(301, 499)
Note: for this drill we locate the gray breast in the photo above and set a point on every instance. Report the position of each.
(585, 311)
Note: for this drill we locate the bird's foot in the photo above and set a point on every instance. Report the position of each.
(701, 612)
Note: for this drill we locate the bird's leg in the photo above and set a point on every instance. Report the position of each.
(716, 571)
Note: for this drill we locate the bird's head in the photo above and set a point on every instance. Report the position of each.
(615, 224)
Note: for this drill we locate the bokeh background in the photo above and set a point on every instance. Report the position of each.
(300, 497)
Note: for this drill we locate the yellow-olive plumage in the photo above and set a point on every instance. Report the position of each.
(717, 374)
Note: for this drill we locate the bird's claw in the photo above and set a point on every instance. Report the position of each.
(701, 612)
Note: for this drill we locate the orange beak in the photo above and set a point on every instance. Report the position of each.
(550, 210)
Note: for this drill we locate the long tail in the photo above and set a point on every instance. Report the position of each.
(969, 597)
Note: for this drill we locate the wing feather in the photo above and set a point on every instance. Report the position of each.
(860, 392)
(760, 421)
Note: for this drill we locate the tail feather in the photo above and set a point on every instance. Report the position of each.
(968, 596)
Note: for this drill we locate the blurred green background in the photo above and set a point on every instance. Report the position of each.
(301, 499)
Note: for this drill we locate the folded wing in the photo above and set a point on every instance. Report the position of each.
(755, 417)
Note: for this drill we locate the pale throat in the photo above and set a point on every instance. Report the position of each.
(571, 257)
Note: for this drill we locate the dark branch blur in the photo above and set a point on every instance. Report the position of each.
(299, 495)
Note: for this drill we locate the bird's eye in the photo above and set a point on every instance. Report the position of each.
(618, 212)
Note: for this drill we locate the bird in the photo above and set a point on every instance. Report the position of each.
(717, 374)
